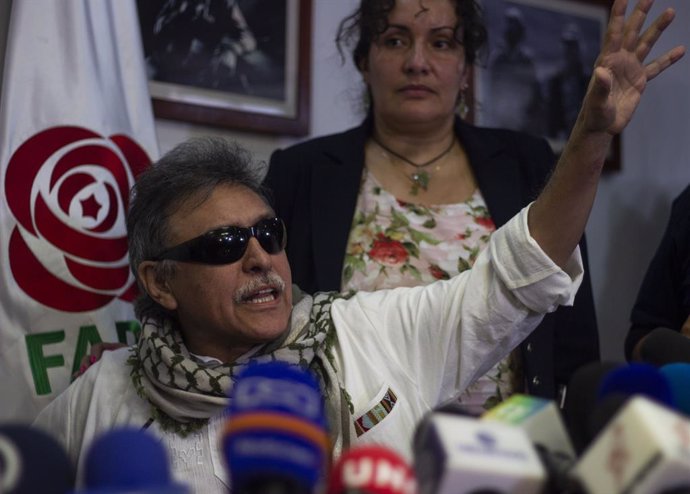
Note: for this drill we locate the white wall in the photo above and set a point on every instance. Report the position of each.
(632, 205)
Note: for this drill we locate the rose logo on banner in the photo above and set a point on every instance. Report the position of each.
(68, 189)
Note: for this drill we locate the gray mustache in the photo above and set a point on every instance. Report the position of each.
(269, 278)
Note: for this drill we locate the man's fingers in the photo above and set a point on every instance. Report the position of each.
(614, 31)
(657, 66)
(652, 34)
(634, 24)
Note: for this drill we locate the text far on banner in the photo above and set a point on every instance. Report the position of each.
(40, 362)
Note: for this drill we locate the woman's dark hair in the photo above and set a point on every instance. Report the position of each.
(370, 20)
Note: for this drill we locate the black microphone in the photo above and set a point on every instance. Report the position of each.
(605, 409)
(580, 399)
(32, 462)
(665, 346)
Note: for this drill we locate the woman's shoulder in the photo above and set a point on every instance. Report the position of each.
(529, 156)
(501, 135)
(682, 200)
(679, 222)
(331, 143)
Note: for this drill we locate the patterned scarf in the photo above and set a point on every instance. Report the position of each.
(185, 392)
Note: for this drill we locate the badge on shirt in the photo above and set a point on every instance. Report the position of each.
(376, 414)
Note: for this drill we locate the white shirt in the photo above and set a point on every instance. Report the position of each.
(424, 344)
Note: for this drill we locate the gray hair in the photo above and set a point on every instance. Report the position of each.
(189, 172)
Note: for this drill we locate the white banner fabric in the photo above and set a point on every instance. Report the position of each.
(76, 128)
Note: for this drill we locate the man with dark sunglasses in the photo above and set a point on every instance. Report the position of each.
(208, 254)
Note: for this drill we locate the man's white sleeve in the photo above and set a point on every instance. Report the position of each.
(445, 335)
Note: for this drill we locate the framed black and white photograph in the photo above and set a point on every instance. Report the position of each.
(241, 64)
(538, 64)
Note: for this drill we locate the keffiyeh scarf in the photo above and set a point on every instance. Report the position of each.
(185, 392)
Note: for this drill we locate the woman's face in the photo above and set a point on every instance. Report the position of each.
(416, 68)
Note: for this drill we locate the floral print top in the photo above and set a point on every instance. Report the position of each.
(394, 243)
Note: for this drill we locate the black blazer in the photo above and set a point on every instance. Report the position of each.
(664, 297)
(314, 187)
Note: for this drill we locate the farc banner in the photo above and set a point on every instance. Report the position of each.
(76, 129)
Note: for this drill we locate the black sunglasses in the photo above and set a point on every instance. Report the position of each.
(228, 244)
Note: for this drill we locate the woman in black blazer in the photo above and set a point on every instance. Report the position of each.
(416, 71)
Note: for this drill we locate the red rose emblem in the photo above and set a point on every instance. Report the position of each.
(387, 251)
(68, 189)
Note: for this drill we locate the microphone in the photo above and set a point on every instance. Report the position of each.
(644, 448)
(461, 455)
(619, 385)
(665, 346)
(602, 412)
(542, 422)
(275, 438)
(31, 461)
(128, 460)
(678, 377)
(581, 396)
(540, 419)
(371, 469)
(637, 378)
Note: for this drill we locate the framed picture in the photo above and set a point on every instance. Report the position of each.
(241, 64)
(538, 65)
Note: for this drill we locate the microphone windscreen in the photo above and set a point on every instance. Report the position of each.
(275, 434)
(665, 346)
(637, 379)
(643, 448)
(581, 396)
(540, 419)
(31, 461)
(678, 377)
(456, 454)
(126, 460)
(602, 413)
(454, 407)
(371, 469)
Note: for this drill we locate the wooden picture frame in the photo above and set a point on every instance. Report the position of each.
(240, 64)
(538, 61)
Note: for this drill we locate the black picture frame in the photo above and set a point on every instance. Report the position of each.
(240, 64)
(539, 59)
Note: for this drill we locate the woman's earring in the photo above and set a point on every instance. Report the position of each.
(463, 108)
